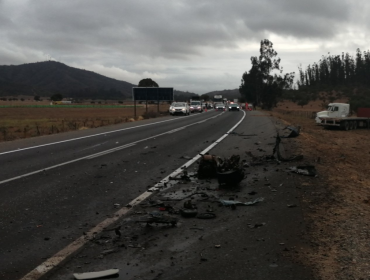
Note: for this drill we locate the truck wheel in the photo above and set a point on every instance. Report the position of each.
(346, 125)
(354, 124)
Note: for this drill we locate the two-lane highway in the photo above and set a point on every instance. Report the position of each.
(56, 189)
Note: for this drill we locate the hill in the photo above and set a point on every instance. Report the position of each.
(51, 77)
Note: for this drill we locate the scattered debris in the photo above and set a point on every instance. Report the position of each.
(292, 205)
(294, 131)
(206, 216)
(257, 225)
(231, 177)
(277, 151)
(208, 166)
(157, 217)
(308, 170)
(185, 157)
(188, 213)
(230, 172)
(108, 251)
(240, 134)
(96, 275)
(234, 202)
(202, 258)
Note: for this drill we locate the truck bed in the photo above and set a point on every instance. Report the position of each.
(346, 123)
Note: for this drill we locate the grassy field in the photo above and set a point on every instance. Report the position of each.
(30, 119)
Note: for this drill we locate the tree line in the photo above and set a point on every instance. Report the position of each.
(337, 70)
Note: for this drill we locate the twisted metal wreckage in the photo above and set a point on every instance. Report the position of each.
(229, 172)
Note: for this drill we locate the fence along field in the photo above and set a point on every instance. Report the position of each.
(29, 119)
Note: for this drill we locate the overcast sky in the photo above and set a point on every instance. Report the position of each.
(191, 45)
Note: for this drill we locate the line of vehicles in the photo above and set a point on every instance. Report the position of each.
(197, 106)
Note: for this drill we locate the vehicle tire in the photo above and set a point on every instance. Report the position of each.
(346, 125)
(188, 213)
(350, 125)
(354, 124)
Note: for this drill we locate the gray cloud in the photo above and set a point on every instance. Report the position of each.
(206, 43)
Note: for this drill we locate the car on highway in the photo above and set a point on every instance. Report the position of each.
(196, 106)
(179, 108)
(220, 107)
(234, 107)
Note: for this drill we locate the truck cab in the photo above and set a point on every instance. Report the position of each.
(335, 110)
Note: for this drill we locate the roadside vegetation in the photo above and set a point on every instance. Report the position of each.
(334, 77)
(336, 204)
(24, 119)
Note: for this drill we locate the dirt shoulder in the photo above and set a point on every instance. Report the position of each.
(336, 208)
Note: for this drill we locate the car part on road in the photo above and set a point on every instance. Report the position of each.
(206, 216)
(277, 151)
(294, 131)
(96, 275)
(229, 172)
(257, 225)
(230, 178)
(234, 202)
(308, 170)
(208, 166)
(188, 213)
(158, 218)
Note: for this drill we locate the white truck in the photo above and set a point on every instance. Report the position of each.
(339, 115)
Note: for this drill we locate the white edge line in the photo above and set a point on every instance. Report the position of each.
(160, 185)
(73, 248)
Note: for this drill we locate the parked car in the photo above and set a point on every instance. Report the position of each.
(220, 107)
(179, 108)
(234, 107)
(196, 106)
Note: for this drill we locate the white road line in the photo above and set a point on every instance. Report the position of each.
(176, 130)
(110, 151)
(74, 247)
(94, 155)
(89, 136)
(162, 183)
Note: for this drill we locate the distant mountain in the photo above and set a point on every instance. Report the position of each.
(50, 77)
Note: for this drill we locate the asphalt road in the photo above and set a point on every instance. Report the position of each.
(54, 188)
(263, 241)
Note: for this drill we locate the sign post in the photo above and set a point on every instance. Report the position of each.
(154, 94)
